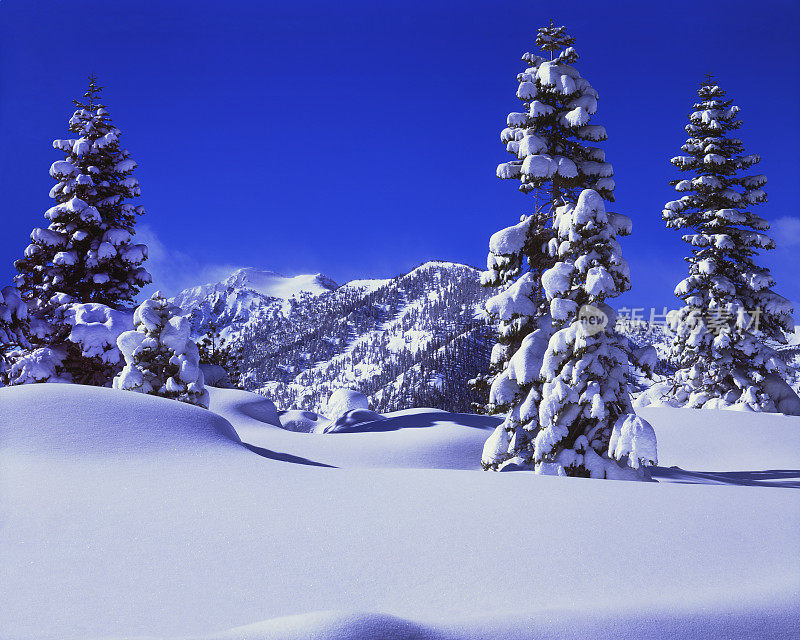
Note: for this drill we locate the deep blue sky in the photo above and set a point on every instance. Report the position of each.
(359, 138)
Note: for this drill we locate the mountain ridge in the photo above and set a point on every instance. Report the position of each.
(417, 336)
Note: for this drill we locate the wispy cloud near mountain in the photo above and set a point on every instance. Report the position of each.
(175, 270)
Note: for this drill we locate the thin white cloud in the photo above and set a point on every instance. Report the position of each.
(174, 270)
(786, 231)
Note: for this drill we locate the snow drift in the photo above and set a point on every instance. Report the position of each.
(126, 515)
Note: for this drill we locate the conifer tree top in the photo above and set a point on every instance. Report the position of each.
(551, 136)
(553, 39)
(92, 95)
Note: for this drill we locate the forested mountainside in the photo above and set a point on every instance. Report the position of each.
(413, 340)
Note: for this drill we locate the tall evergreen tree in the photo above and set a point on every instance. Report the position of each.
(86, 254)
(730, 308)
(550, 139)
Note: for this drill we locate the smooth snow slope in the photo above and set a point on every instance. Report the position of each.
(726, 441)
(131, 516)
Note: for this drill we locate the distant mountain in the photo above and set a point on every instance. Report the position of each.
(245, 294)
(413, 340)
(410, 341)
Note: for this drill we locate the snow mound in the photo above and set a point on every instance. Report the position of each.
(354, 419)
(418, 438)
(344, 400)
(77, 421)
(143, 546)
(331, 625)
(303, 421)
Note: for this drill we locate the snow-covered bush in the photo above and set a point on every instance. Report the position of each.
(730, 310)
(555, 158)
(633, 441)
(88, 354)
(215, 376)
(13, 324)
(40, 365)
(161, 359)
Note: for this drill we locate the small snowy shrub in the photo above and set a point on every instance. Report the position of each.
(216, 350)
(633, 441)
(13, 324)
(44, 364)
(160, 357)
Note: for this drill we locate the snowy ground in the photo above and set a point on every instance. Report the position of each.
(126, 516)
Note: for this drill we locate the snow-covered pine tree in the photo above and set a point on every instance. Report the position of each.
(161, 359)
(571, 380)
(550, 139)
(86, 254)
(729, 310)
(585, 367)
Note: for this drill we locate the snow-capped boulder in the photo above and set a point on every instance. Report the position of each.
(344, 400)
(215, 376)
